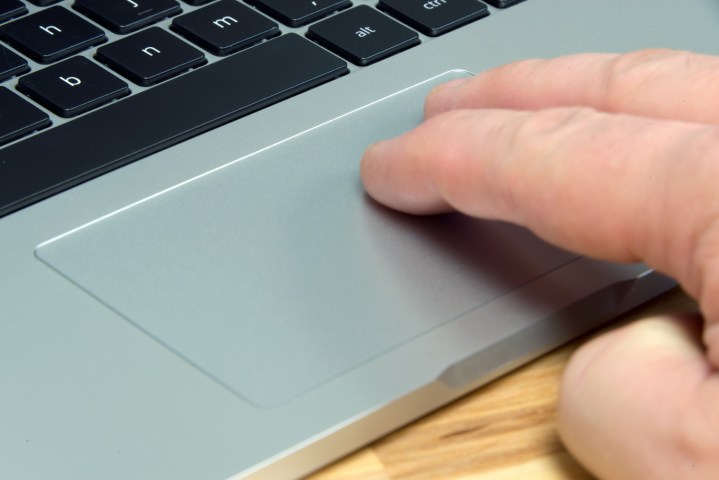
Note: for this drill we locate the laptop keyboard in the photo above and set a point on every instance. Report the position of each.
(75, 73)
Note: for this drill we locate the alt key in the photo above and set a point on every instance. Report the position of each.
(363, 35)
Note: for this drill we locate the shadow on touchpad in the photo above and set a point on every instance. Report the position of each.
(276, 273)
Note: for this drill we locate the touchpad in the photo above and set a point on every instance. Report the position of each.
(276, 273)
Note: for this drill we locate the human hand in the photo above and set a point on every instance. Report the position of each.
(615, 157)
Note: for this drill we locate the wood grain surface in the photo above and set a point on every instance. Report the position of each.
(505, 430)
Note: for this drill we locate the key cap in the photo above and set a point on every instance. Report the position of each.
(125, 16)
(151, 56)
(43, 3)
(435, 17)
(363, 35)
(225, 27)
(72, 87)
(18, 117)
(162, 116)
(51, 34)
(197, 2)
(11, 64)
(299, 12)
(11, 9)
(503, 3)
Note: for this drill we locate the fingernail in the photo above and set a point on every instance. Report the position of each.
(371, 165)
(447, 88)
(373, 151)
(441, 97)
(454, 83)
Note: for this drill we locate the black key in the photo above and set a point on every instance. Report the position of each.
(125, 16)
(435, 17)
(197, 2)
(18, 117)
(503, 3)
(363, 35)
(51, 34)
(161, 116)
(73, 86)
(299, 12)
(225, 27)
(11, 9)
(11, 64)
(44, 3)
(150, 56)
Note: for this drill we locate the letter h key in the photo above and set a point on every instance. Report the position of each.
(51, 34)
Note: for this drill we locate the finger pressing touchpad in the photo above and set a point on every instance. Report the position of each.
(277, 273)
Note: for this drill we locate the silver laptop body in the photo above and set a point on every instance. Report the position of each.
(234, 306)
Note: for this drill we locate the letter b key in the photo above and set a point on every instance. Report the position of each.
(72, 86)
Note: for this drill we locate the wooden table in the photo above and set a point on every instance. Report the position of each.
(505, 430)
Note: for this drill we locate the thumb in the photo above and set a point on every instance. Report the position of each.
(642, 402)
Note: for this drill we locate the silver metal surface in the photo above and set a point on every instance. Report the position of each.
(86, 394)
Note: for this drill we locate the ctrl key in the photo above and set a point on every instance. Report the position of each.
(435, 17)
(18, 117)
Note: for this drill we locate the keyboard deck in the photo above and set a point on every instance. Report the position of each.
(75, 73)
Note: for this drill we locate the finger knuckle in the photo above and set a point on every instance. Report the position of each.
(626, 76)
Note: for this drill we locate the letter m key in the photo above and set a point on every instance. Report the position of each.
(224, 22)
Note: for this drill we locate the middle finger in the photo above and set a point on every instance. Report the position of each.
(653, 83)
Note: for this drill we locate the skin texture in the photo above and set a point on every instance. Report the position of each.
(615, 157)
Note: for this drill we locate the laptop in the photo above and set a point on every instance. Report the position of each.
(194, 284)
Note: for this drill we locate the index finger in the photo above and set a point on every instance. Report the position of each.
(616, 187)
